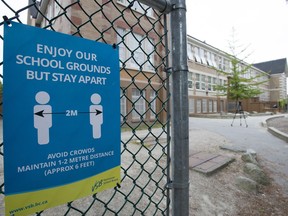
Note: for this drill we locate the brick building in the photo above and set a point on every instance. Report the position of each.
(139, 33)
(203, 60)
(278, 72)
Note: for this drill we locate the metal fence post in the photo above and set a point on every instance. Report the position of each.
(180, 109)
(164, 6)
(180, 114)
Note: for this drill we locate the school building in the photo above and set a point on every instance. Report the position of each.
(139, 32)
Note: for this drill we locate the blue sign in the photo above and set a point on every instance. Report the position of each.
(61, 118)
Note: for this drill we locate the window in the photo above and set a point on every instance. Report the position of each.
(204, 106)
(214, 83)
(202, 56)
(197, 83)
(209, 83)
(220, 63)
(200, 82)
(190, 51)
(123, 106)
(141, 8)
(213, 58)
(138, 104)
(190, 80)
(210, 103)
(191, 105)
(48, 14)
(222, 83)
(52, 11)
(196, 54)
(209, 59)
(120, 42)
(152, 104)
(203, 82)
(225, 65)
(135, 50)
(214, 106)
(149, 49)
(199, 106)
(137, 55)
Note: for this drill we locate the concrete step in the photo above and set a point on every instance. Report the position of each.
(208, 163)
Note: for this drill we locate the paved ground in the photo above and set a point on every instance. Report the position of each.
(280, 123)
(272, 150)
(215, 195)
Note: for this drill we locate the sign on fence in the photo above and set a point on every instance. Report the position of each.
(61, 118)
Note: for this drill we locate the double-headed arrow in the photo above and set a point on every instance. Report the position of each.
(42, 113)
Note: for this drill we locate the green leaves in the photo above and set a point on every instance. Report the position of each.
(242, 83)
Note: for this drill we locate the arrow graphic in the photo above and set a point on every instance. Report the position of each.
(42, 113)
(96, 111)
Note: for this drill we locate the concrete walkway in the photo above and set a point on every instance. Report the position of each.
(278, 126)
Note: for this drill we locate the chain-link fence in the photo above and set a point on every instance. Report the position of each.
(141, 34)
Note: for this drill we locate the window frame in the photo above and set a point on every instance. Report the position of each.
(191, 105)
(138, 7)
(190, 51)
(203, 82)
(196, 54)
(137, 101)
(198, 81)
(141, 46)
(190, 80)
(123, 106)
(153, 104)
(149, 48)
(202, 56)
(209, 60)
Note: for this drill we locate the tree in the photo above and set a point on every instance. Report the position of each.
(283, 104)
(242, 84)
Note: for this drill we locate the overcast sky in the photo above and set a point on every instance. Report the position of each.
(262, 25)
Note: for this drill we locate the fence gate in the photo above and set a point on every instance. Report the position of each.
(141, 34)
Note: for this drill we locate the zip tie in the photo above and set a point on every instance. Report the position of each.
(6, 20)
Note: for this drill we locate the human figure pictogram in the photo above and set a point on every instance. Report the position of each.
(42, 122)
(96, 115)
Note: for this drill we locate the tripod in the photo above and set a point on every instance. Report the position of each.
(241, 112)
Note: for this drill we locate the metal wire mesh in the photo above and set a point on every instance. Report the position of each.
(141, 34)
